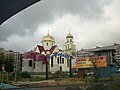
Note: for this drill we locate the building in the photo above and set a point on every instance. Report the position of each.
(106, 67)
(14, 56)
(48, 52)
(70, 47)
(34, 62)
(17, 61)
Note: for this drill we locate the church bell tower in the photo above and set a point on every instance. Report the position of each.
(70, 47)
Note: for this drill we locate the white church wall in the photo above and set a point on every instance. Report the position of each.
(25, 65)
(38, 66)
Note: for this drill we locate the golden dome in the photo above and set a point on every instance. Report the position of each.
(69, 35)
(48, 38)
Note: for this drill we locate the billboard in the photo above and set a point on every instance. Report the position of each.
(98, 61)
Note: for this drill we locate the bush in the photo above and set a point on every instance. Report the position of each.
(24, 75)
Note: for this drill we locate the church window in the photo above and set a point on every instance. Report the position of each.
(30, 63)
(47, 44)
(68, 63)
(60, 68)
(51, 61)
(62, 60)
(58, 60)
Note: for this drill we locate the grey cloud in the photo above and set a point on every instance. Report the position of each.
(26, 23)
(45, 12)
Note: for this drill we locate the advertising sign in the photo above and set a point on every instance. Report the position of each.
(98, 61)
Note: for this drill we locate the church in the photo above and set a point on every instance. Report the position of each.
(48, 52)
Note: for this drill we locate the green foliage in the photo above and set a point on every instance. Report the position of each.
(2, 60)
(7, 61)
(24, 75)
(60, 74)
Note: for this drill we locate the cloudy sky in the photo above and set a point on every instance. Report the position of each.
(91, 22)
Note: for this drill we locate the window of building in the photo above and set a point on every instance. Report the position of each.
(51, 61)
(47, 43)
(58, 60)
(30, 63)
(60, 68)
(62, 60)
(68, 62)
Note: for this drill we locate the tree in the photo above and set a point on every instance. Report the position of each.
(9, 63)
(2, 60)
(95, 68)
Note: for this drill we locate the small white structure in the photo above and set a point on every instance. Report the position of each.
(34, 62)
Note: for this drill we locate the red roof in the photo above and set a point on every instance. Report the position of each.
(52, 48)
(30, 54)
(41, 48)
(36, 56)
(41, 57)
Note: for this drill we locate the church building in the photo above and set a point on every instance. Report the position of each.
(48, 52)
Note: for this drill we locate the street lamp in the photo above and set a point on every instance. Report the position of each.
(70, 71)
(46, 59)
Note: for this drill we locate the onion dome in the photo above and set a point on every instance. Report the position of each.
(69, 35)
(48, 38)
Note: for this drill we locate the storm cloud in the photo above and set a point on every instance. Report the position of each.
(92, 23)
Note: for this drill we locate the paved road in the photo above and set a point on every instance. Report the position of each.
(115, 85)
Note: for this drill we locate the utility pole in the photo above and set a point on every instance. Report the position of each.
(3, 72)
(46, 67)
(70, 68)
(15, 73)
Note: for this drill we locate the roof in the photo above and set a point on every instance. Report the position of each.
(41, 48)
(30, 54)
(35, 56)
(106, 48)
(69, 35)
(48, 38)
(52, 48)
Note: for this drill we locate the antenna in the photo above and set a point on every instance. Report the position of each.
(48, 31)
(69, 30)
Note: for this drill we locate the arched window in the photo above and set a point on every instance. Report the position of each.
(47, 43)
(62, 60)
(58, 60)
(60, 68)
(30, 63)
(51, 61)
